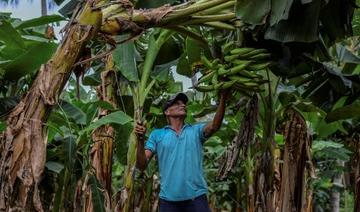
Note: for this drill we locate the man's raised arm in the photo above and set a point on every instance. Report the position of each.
(215, 124)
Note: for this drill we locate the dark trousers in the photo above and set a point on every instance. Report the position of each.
(198, 204)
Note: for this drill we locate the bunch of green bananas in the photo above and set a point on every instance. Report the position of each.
(238, 70)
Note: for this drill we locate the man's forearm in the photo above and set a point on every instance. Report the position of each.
(219, 115)
(215, 125)
(141, 160)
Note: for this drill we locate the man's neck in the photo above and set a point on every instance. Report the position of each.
(177, 123)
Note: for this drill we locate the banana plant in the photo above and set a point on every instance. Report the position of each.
(140, 91)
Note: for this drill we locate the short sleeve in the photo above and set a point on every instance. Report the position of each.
(200, 131)
(150, 144)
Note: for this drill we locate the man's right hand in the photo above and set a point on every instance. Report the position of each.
(140, 130)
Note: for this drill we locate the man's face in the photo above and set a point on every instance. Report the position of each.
(177, 109)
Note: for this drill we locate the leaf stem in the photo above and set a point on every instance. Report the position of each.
(190, 10)
(210, 18)
(154, 47)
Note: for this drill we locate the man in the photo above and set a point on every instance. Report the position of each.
(179, 150)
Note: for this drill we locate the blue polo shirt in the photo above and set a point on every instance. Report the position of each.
(180, 160)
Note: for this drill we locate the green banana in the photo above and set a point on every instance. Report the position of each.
(248, 74)
(215, 78)
(236, 69)
(222, 71)
(206, 61)
(240, 78)
(253, 53)
(239, 62)
(229, 58)
(215, 62)
(260, 56)
(257, 67)
(227, 46)
(248, 84)
(241, 51)
(206, 77)
(227, 85)
(205, 88)
(218, 86)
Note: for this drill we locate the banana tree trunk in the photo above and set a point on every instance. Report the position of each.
(23, 145)
(297, 144)
(264, 178)
(356, 141)
(103, 137)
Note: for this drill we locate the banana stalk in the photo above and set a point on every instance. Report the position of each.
(140, 92)
(123, 18)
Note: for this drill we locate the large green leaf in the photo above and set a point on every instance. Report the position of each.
(58, 2)
(346, 112)
(9, 36)
(29, 61)
(280, 10)
(124, 58)
(7, 103)
(176, 87)
(122, 136)
(253, 11)
(152, 4)
(8, 53)
(183, 66)
(168, 52)
(69, 149)
(68, 8)
(336, 17)
(92, 79)
(73, 112)
(118, 117)
(193, 50)
(161, 72)
(43, 20)
(301, 26)
(356, 20)
(97, 195)
(346, 55)
(54, 166)
(319, 145)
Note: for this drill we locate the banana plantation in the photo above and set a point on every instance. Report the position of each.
(290, 139)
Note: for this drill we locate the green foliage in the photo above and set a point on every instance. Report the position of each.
(23, 50)
(118, 117)
(124, 57)
(253, 12)
(2, 126)
(329, 155)
(43, 20)
(97, 195)
(54, 166)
